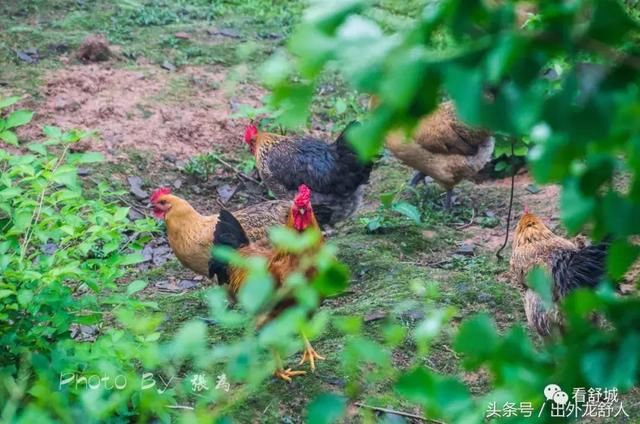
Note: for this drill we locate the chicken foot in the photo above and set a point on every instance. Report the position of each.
(310, 354)
(419, 177)
(282, 373)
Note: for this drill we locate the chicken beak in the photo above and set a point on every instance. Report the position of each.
(302, 211)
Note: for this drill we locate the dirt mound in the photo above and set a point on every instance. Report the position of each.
(183, 113)
(94, 48)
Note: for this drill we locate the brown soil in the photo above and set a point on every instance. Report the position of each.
(181, 113)
(544, 204)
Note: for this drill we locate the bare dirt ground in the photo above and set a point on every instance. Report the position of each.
(181, 113)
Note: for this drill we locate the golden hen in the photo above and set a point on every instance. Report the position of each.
(190, 234)
(570, 267)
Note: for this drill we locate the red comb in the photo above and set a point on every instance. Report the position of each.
(526, 208)
(160, 192)
(303, 197)
(249, 132)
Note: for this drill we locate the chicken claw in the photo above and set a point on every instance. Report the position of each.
(287, 374)
(310, 355)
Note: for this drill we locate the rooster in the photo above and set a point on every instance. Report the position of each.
(442, 148)
(230, 233)
(570, 267)
(332, 171)
(190, 234)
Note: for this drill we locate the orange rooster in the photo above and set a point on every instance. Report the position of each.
(229, 232)
(332, 171)
(190, 234)
(570, 267)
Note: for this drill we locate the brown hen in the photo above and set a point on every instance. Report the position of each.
(443, 148)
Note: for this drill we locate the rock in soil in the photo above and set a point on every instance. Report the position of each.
(84, 333)
(226, 192)
(28, 55)
(135, 188)
(84, 172)
(134, 215)
(187, 284)
(94, 48)
(466, 249)
(375, 316)
(168, 66)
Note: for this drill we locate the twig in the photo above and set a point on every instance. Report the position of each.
(35, 217)
(453, 352)
(610, 53)
(400, 413)
(470, 223)
(513, 183)
(236, 170)
(189, 408)
(267, 408)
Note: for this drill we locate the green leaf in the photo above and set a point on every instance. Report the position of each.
(477, 339)
(8, 101)
(190, 340)
(414, 385)
(18, 118)
(131, 259)
(604, 368)
(255, 292)
(292, 240)
(328, 15)
(441, 396)
(66, 175)
(24, 297)
(575, 208)
(408, 210)
(387, 199)
(276, 69)
(37, 148)
(610, 23)
(341, 106)
(326, 408)
(9, 137)
(620, 257)
(136, 286)
(540, 281)
(52, 132)
(348, 324)
(332, 280)
(89, 157)
(5, 293)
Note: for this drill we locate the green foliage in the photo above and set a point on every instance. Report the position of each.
(203, 166)
(12, 120)
(575, 128)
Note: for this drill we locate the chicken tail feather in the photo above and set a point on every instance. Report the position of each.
(350, 164)
(228, 232)
(580, 268)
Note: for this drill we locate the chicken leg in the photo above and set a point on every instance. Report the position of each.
(448, 200)
(284, 374)
(417, 178)
(310, 354)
